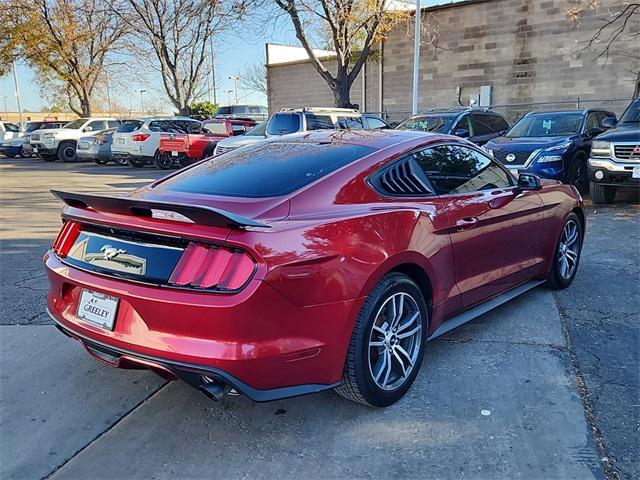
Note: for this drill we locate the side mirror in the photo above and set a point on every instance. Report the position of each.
(609, 122)
(528, 181)
(594, 132)
(461, 132)
(88, 129)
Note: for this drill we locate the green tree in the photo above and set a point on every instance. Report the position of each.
(204, 108)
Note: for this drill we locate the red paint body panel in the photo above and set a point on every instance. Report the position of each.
(327, 246)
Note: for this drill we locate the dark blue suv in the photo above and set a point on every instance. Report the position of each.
(475, 124)
(552, 145)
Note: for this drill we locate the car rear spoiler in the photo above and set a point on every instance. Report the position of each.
(143, 208)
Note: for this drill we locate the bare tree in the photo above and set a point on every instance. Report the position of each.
(353, 26)
(618, 35)
(67, 42)
(177, 32)
(254, 78)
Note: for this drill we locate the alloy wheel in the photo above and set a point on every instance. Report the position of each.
(394, 341)
(569, 249)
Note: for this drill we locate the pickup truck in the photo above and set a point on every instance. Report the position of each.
(184, 149)
(60, 143)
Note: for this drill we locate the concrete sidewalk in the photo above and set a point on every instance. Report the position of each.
(495, 399)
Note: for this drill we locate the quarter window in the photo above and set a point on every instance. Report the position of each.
(456, 169)
(319, 122)
(350, 122)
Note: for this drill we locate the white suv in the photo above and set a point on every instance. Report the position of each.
(60, 143)
(294, 120)
(138, 140)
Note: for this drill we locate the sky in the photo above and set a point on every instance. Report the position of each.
(235, 51)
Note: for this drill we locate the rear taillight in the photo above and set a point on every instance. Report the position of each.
(66, 238)
(212, 267)
(140, 137)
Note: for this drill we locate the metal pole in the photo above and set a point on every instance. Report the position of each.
(235, 86)
(6, 110)
(213, 70)
(106, 77)
(15, 80)
(416, 61)
(142, 101)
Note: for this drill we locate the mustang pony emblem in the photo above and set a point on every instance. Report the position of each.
(109, 252)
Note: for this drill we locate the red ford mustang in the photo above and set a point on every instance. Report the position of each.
(323, 260)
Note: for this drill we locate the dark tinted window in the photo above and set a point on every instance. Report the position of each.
(481, 125)
(265, 169)
(11, 127)
(318, 122)
(376, 124)
(350, 122)
(113, 123)
(239, 109)
(223, 111)
(499, 123)
(463, 124)
(129, 126)
(95, 126)
(283, 123)
(175, 126)
(632, 114)
(454, 169)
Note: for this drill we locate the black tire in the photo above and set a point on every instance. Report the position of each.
(137, 162)
(121, 161)
(48, 158)
(556, 280)
(208, 151)
(67, 152)
(358, 382)
(100, 161)
(577, 173)
(164, 161)
(602, 193)
(10, 155)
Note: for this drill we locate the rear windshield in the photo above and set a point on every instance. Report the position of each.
(128, 126)
(428, 123)
(283, 123)
(265, 169)
(218, 128)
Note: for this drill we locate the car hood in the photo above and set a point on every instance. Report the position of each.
(622, 133)
(53, 130)
(518, 144)
(240, 140)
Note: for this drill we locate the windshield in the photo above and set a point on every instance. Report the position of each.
(428, 123)
(265, 169)
(631, 114)
(128, 126)
(547, 125)
(76, 124)
(283, 123)
(258, 131)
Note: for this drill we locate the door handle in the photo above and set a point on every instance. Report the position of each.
(466, 223)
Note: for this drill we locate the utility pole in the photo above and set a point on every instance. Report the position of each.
(6, 110)
(416, 61)
(213, 70)
(106, 77)
(15, 80)
(142, 101)
(235, 81)
(229, 92)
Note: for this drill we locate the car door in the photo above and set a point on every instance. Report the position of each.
(495, 229)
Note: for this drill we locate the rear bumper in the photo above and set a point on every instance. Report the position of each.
(44, 149)
(130, 156)
(613, 173)
(256, 340)
(194, 375)
(92, 154)
(13, 151)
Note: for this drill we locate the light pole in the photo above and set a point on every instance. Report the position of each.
(416, 61)
(229, 92)
(235, 80)
(142, 101)
(6, 110)
(15, 80)
(213, 70)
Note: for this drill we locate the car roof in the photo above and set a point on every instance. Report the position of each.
(376, 139)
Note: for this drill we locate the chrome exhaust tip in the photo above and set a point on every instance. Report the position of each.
(214, 389)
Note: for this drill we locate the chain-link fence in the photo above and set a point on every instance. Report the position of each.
(516, 111)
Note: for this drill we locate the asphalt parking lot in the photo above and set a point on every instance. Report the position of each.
(546, 387)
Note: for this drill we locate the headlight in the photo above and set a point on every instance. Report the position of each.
(553, 154)
(558, 148)
(548, 158)
(601, 149)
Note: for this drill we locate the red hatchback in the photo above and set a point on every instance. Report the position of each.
(322, 260)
